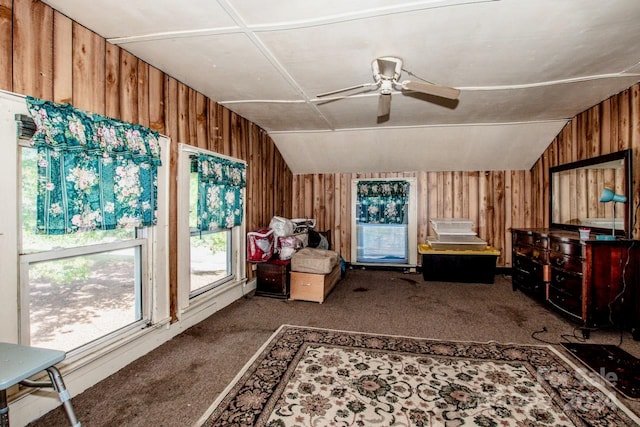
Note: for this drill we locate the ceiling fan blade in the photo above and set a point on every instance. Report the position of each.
(384, 105)
(346, 89)
(432, 89)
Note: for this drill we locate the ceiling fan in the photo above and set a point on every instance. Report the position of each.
(386, 72)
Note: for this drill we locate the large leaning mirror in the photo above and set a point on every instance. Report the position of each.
(577, 194)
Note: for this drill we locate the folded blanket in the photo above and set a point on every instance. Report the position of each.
(313, 260)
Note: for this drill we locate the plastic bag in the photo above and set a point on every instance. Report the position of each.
(288, 245)
(260, 245)
(281, 226)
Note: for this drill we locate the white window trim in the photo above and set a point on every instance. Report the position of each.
(190, 306)
(412, 222)
(145, 285)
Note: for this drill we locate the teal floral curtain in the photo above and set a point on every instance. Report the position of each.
(382, 202)
(94, 172)
(220, 192)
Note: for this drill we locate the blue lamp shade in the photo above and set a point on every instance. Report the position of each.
(609, 196)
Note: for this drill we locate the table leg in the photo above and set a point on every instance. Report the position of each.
(63, 393)
(4, 409)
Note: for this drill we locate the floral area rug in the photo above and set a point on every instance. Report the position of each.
(316, 377)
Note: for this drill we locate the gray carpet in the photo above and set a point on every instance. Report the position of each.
(175, 384)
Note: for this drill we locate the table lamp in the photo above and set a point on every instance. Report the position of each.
(609, 196)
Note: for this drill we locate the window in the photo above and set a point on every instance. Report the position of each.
(78, 288)
(211, 252)
(384, 216)
(83, 289)
(75, 288)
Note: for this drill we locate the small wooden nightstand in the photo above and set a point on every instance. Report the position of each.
(272, 278)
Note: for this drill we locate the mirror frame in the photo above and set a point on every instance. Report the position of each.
(625, 155)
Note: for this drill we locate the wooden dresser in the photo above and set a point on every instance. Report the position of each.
(593, 282)
(530, 272)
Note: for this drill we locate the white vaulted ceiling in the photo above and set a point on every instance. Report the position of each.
(524, 67)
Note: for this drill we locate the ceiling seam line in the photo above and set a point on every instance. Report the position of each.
(272, 59)
(563, 120)
(328, 20)
(462, 88)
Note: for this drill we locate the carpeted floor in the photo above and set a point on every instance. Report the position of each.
(176, 383)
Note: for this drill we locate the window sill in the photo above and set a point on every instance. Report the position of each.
(213, 297)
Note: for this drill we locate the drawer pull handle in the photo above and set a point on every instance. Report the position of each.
(560, 279)
(560, 261)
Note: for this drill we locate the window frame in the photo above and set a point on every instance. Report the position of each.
(229, 264)
(188, 302)
(412, 224)
(142, 268)
(153, 286)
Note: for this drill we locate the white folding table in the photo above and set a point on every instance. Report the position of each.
(18, 363)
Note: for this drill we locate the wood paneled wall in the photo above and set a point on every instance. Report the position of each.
(494, 200)
(610, 126)
(46, 55)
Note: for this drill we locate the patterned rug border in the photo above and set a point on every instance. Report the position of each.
(583, 372)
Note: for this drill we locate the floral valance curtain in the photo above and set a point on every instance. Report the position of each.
(382, 202)
(94, 172)
(220, 192)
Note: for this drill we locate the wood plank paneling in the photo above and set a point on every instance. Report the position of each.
(202, 124)
(610, 126)
(128, 87)
(6, 44)
(112, 81)
(156, 100)
(143, 94)
(33, 49)
(62, 58)
(89, 55)
(483, 197)
(171, 126)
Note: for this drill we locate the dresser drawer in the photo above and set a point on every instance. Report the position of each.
(564, 262)
(540, 255)
(528, 276)
(313, 287)
(272, 275)
(522, 249)
(565, 301)
(524, 239)
(567, 248)
(541, 242)
(529, 266)
(569, 283)
(272, 279)
(528, 283)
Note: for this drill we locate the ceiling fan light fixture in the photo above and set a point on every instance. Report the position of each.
(386, 87)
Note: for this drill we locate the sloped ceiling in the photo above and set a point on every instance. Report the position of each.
(524, 68)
